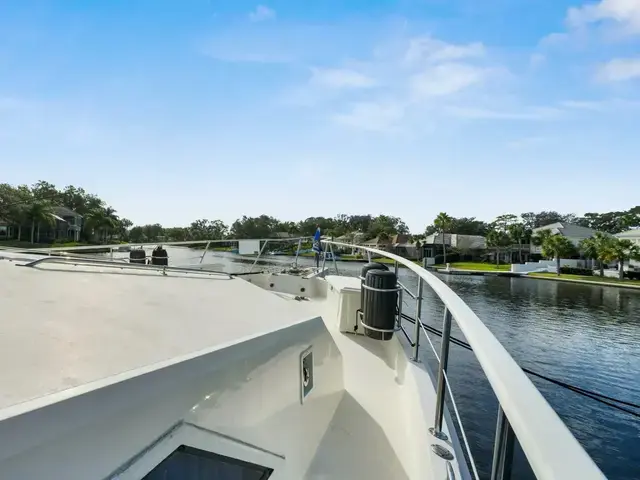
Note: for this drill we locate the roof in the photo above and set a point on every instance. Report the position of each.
(568, 230)
(65, 212)
(66, 326)
(633, 233)
(281, 235)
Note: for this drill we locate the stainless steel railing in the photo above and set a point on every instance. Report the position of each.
(551, 449)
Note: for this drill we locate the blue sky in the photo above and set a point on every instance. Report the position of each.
(173, 110)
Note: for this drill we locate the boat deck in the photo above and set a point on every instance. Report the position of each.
(62, 330)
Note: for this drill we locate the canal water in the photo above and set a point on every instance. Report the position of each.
(585, 335)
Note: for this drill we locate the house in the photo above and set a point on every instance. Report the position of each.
(634, 236)
(575, 233)
(67, 226)
(470, 247)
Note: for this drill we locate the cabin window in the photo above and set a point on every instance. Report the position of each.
(188, 463)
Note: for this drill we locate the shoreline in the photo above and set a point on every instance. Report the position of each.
(584, 282)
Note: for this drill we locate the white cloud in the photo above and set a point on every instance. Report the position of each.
(428, 49)
(340, 78)
(445, 79)
(525, 113)
(619, 69)
(536, 60)
(261, 14)
(373, 116)
(624, 13)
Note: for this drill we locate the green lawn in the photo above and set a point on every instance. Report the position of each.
(595, 278)
(17, 244)
(477, 266)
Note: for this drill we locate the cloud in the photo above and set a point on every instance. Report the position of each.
(445, 79)
(372, 116)
(261, 14)
(526, 113)
(340, 78)
(619, 69)
(428, 49)
(537, 59)
(622, 13)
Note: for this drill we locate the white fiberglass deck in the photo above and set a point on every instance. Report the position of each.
(63, 326)
(87, 344)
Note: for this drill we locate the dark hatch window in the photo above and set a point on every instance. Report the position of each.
(188, 463)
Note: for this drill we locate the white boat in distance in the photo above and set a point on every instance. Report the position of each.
(112, 370)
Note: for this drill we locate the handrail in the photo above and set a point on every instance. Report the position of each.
(112, 264)
(552, 451)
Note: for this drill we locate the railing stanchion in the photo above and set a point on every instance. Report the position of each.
(111, 253)
(400, 292)
(502, 448)
(368, 256)
(259, 255)
(333, 256)
(298, 250)
(205, 251)
(442, 368)
(416, 329)
(395, 268)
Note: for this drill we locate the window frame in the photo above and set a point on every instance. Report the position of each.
(203, 439)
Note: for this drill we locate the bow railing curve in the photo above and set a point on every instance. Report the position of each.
(551, 449)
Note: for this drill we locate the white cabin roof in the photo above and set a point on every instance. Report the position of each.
(63, 326)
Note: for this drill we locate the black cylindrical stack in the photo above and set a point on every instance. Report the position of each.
(363, 274)
(159, 256)
(379, 307)
(137, 255)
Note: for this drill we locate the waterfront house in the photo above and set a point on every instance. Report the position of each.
(467, 247)
(575, 233)
(634, 236)
(67, 226)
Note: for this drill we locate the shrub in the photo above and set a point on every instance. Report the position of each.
(585, 272)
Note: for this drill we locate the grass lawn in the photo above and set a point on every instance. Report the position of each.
(595, 278)
(478, 266)
(17, 244)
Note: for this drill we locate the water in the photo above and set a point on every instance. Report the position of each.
(585, 335)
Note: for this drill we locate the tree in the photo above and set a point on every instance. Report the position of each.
(624, 250)
(39, 212)
(554, 246)
(207, 230)
(517, 233)
(599, 248)
(497, 239)
(443, 224)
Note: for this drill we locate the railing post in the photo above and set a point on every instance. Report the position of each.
(442, 368)
(395, 268)
(298, 250)
(416, 329)
(400, 297)
(111, 253)
(259, 255)
(205, 252)
(333, 256)
(502, 448)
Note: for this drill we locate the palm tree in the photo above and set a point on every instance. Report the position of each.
(39, 212)
(443, 224)
(554, 246)
(599, 247)
(623, 250)
(497, 239)
(516, 232)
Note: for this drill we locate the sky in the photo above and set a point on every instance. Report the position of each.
(174, 110)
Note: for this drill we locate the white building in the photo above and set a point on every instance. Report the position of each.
(634, 236)
(575, 233)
